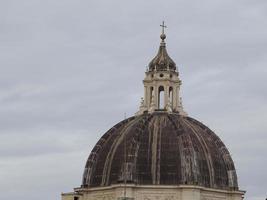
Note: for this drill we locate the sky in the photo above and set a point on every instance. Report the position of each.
(70, 69)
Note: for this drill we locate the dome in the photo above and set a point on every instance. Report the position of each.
(160, 148)
(161, 152)
(162, 61)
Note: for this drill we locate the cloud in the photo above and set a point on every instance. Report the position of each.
(70, 70)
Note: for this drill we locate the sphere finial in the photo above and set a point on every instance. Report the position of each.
(163, 36)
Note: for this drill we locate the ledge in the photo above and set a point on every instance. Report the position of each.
(80, 189)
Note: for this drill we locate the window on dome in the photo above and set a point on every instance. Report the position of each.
(171, 95)
(161, 98)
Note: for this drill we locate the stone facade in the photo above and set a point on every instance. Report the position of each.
(152, 192)
(167, 82)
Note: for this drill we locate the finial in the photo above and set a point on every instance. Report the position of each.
(181, 108)
(163, 36)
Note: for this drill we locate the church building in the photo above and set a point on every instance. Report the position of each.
(160, 153)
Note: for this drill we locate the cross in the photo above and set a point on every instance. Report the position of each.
(163, 26)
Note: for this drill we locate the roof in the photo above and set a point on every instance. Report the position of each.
(160, 149)
(162, 61)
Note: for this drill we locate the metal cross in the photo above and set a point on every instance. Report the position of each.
(163, 26)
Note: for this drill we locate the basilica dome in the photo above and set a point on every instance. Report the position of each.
(160, 148)
(160, 153)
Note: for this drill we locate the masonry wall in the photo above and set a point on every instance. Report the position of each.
(153, 193)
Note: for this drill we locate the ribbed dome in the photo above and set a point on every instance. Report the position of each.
(161, 149)
(162, 61)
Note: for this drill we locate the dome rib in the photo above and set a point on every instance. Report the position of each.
(226, 174)
(113, 149)
(161, 148)
(205, 149)
(162, 61)
(133, 154)
(93, 168)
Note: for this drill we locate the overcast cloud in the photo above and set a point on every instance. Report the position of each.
(70, 69)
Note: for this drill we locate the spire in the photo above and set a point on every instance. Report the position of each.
(161, 83)
(162, 61)
(163, 36)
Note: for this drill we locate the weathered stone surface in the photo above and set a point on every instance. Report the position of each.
(161, 149)
(162, 61)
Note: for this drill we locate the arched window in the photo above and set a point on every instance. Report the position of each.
(171, 95)
(161, 97)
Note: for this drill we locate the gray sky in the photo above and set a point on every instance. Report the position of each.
(70, 69)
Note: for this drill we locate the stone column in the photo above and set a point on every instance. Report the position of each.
(166, 95)
(146, 96)
(177, 89)
(156, 96)
(174, 97)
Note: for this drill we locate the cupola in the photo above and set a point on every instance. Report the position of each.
(162, 83)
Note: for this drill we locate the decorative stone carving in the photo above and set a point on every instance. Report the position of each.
(142, 107)
(181, 108)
